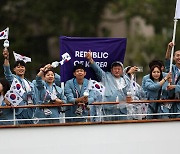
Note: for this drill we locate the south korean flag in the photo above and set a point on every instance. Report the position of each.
(13, 97)
(4, 34)
(17, 87)
(65, 58)
(97, 86)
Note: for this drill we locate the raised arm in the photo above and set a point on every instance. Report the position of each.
(168, 51)
(7, 72)
(6, 56)
(168, 56)
(99, 72)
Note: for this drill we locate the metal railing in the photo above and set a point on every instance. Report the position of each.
(63, 118)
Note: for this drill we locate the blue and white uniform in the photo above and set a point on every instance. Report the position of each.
(46, 91)
(115, 88)
(29, 97)
(72, 91)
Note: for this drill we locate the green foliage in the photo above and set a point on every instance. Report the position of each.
(33, 23)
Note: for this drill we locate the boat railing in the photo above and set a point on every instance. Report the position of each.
(62, 119)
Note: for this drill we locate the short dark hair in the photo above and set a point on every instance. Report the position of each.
(156, 62)
(78, 66)
(19, 62)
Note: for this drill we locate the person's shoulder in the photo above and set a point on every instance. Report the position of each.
(126, 77)
(34, 82)
(70, 80)
(164, 74)
(149, 80)
(86, 80)
(58, 88)
(28, 81)
(146, 76)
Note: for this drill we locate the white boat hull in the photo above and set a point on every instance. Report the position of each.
(124, 138)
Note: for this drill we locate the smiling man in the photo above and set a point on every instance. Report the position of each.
(116, 86)
(29, 95)
(75, 92)
(174, 87)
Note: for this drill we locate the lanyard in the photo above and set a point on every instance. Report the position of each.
(78, 94)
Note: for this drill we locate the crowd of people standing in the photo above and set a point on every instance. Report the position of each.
(118, 83)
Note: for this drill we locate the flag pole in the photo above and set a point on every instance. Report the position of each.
(173, 40)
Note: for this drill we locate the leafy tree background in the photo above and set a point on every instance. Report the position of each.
(34, 24)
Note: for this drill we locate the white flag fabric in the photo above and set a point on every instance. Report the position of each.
(17, 87)
(13, 97)
(65, 58)
(51, 94)
(98, 86)
(4, 34)
(20, 57)
(1, 99)
(177, 12)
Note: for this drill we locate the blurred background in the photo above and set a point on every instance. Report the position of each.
(35, 27)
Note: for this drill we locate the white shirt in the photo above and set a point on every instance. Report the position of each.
(120, 83)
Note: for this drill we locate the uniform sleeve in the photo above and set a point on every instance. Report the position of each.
(8, 74)
(177, 89)
(39, 83)
(91, 97)
(167, 65)
(150, 85)
(57, 79)
(69, 93)
(62, 97)
(99, 72)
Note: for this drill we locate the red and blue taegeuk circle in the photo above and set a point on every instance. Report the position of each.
(13, 96)
(18, 86)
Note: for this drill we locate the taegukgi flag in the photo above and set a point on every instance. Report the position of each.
(20, 57)
(65, 58)
(13, 97)
(17, 87)
(177, 12)
(97, 86)
(4, 34)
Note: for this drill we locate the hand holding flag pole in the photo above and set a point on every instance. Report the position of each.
(177, 16)
(65, 58)
(6, 44)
